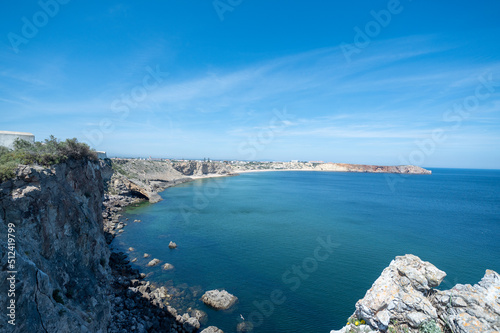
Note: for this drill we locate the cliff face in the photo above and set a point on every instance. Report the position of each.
(60, 251)
(144, 179)
(402, 299)
(198, 168)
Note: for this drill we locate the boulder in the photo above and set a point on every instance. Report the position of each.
(172, 245)
(168, 266)
(201, 316)
(219, 299)
(212, 329)
(153, 262)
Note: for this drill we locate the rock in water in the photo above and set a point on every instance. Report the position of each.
(212, 329)
(244, 327)
(153, 262)
(168, 266)
(201, 316)
(219, 299)
(172, 245)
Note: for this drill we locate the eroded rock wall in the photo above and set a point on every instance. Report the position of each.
(61, 260)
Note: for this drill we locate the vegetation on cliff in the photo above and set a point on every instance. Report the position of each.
(50, 152)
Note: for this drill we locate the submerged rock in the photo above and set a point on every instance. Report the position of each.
(168, 266)
(244, 327)
(219, 299)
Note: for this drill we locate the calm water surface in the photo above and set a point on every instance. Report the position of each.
(259, 236)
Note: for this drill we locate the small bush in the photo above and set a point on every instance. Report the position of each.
(430, 326)
(46, 153)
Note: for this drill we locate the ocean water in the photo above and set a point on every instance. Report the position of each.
(299, 249)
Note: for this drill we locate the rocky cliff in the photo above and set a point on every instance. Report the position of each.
(56, 267)
(403, 299)
(144, 178)
(198, 168)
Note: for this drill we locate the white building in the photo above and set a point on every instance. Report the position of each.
(7, 138)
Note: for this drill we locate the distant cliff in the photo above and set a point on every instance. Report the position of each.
(145, 178)
(339, 167)
(58, 274)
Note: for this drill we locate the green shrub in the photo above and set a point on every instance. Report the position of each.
(46, 153)
(430, 326)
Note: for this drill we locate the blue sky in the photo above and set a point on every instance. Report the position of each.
(375, 82)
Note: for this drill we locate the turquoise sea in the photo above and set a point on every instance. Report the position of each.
(299, 249)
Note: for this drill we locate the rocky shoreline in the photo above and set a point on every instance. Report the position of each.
(139, 305)
(403, 299)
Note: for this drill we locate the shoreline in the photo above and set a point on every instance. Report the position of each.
(138, 279)
(145, 291)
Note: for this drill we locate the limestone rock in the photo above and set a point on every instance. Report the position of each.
(201, 316)
(168, 266)
(219, 299)
(189, 324)
(399, 291)
(469, 308)
(403, 294)
(172, 245)
(212, 329)
(153, 262)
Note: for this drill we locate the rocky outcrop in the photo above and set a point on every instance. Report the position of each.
(61, 257)
(467, 309)
(219, 299)
(403, 299)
